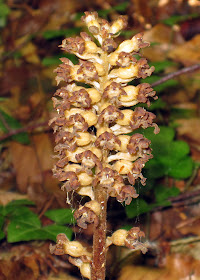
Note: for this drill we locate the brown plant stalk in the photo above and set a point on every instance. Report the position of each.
(97, 155)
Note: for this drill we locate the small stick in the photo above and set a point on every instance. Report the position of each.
(172, 75)
(29, 127)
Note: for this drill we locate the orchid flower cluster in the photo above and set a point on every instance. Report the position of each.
(99, 156)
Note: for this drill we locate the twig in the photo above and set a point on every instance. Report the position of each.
(2, 119)
(170, 76)
(185, 196)
(29, 127)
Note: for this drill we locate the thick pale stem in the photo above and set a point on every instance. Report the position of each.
(98, 268)
(99, 238)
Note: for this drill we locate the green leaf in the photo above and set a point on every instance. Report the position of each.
(137, 207)
(127, 227)
(2, 220)
(78, 16)
(16, 204)
(50, 60)
(154, 169)
(165, 85)
(25, 226)
(179, 18)
(127, 33)
(179, 113)
(161, 65)
(162, 193)
(166, 134)
(170, 157)
(25, 215)
(181, 169)
(104, 13)
(20, 202)
(173, 152)
(50, 232)
(161, 87)
(4, 10)
(3, 99)
(121, 7)
(2, 234)
(51, 34)
(157, 104)
(53, 60)
(13, 124)
(61, 216)
(23, 231)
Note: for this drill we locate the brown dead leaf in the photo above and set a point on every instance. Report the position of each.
(62, 14)
(31, 261)
(178, 267)
(62, 276)
(187, 53)
(6, 197)
(189, 129)
(165, 38)
(31, 162)
(15, 77)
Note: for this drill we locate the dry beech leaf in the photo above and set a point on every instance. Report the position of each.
(31, 162)
(186, 129)
(6, 197)
(187, 53)
(29, 51)
(165, 39)
(63, 10)
(62, 276)
(178, 267)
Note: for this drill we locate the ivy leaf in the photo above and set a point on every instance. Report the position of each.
(179, 18)
(154, 169)
(53, 60)
(61, 216)
(166, 134)
(2, 234)
(20, 202)
(121, 7)
(157, 104)
(16, 206)
(161, 65)
(25, 226)
(50, 232)
(51, 34)
(161, 87)
(181, 169)
(162, 193)
(24, 214)
(137, 207)
(13, 124)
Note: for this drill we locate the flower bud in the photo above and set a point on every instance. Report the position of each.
(118, 25)
(118, 237)
(85, 270)
(94, 206)
(128, 114)
(86, 191)
(94, 95)
(124, 142)
(91, 21)
(131, 94)
(83, 139)
(124, 73)
(123, 166)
